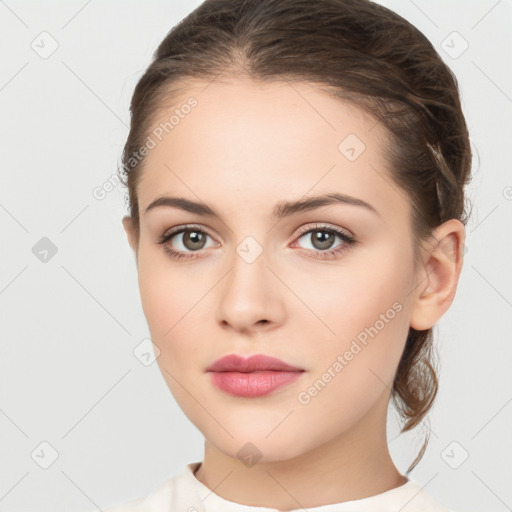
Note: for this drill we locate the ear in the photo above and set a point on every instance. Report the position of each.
(131, 234)
(438, 276)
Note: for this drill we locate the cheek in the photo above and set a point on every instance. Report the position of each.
(346, 300)
(163, 293)
(365, 320)
(170, 308)
(354, 368)
(171, 300)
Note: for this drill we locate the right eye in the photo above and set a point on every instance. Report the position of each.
(190, 240)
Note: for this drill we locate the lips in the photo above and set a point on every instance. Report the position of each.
(256, 376)
(255, 363)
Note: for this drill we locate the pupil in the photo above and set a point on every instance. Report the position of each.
(322, 240)
(193, 240)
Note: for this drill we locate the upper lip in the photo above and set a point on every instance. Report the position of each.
(261, 362)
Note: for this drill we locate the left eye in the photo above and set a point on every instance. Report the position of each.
(322, 239)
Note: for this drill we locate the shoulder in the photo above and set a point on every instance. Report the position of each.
(156, 501)
(421, 501)
(170, 494)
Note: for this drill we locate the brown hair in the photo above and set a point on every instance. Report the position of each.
(358, 51)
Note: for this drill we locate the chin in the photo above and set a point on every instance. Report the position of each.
(252, 449)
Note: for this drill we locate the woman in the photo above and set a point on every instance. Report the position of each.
(296, 176)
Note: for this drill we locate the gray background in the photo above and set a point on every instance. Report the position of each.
(70, 324)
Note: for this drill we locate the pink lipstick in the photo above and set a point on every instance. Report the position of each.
(258, 375)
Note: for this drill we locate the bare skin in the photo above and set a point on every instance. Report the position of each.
(244, 148)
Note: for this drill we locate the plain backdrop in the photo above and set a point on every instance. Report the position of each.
(84, 424)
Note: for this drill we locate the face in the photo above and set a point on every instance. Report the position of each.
(325, 288)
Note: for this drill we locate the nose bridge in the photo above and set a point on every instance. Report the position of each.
(247, 295)
(248, 277)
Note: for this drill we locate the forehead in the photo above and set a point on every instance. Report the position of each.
(252, 141)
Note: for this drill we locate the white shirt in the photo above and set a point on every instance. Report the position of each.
(183, 492)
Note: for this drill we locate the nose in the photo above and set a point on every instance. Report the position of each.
(250, 296)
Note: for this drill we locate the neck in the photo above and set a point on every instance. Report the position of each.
(354, 465)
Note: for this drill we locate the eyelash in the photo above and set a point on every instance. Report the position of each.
(349, 241)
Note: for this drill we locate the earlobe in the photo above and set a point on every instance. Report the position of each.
(437, 283)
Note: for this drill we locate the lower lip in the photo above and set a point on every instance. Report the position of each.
(252, 384)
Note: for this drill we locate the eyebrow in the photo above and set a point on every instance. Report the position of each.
(281, 210)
